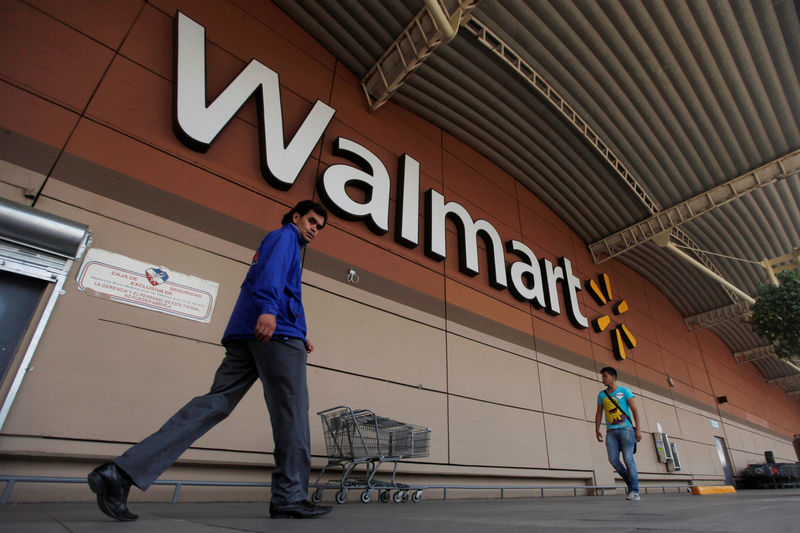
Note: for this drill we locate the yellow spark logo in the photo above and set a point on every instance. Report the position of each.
(621, 336)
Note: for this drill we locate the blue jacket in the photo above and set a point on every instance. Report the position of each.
(272, 286)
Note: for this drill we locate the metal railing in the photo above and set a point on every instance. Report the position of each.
(542, 488)
(11, 481)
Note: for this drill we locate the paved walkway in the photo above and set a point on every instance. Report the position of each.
(762, 511)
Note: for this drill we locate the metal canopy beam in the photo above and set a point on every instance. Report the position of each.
(513, 59)
(663, 240)
(778, 264)
(716, 316)
(672, 217)
(754, 354)
(431, 27)
(784, 379)
(508, 55)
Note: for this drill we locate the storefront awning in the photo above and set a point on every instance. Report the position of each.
(32, 228)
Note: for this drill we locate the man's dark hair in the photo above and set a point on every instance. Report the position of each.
(303, 208)
(610, 370)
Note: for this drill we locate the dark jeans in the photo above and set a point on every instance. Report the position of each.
(281, 366)
(623, 440)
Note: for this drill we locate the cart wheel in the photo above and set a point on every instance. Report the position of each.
(317, 496)
(398, 496)
(366, 496)
(405, 496)
(385, 496)
(417, 496)
(341, 496)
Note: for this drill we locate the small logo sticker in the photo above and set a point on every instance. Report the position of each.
(156, 276)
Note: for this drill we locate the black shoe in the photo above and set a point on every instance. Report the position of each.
(301, 509)
(112, 486)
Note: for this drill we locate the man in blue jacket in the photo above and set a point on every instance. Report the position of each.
(265, 339)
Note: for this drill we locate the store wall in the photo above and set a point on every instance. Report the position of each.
(509, 391)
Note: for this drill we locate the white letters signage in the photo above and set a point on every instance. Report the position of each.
(196, 125)
(121, 279)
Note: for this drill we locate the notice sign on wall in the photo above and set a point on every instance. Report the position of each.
(122, 279)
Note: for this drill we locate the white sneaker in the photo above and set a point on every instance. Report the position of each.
(633, 496)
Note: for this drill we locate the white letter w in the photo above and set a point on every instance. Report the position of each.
(197, 125)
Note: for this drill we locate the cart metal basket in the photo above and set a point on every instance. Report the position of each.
(361, 437)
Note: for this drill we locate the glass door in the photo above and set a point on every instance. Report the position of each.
(724, 459)
(19, 298)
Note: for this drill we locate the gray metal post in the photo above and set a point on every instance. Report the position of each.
(177, 493)
(7, 493)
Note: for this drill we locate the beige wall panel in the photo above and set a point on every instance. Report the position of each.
(357, 338)
(657, 412)
(488, 434)
(116, 372)
(134, 243)
(561, 392)
(108, 380)
(589, 391)
(644, 420)
(763, 443)
(751, 441)
(638, 391)
(758, 440)
(698, 459)
(778, 448)
(409, 405)
(768, 443)
(485, 373)
(136, 217)
(785, 452)
(741, 460)
(748, 440)
(14, 193)
(736, 438)
(588, 373)
(490, 340)
(695, 427)
(352, 292)
(17, 181)
(568, 442)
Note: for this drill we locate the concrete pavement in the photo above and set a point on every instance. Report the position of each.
(745, 511)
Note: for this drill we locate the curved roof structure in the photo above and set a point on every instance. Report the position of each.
(637, 122)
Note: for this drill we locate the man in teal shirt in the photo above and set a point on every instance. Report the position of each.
(621, 435)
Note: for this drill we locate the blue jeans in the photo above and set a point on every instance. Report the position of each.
(622, 440)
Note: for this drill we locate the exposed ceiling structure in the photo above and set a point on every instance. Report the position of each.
(664, 133)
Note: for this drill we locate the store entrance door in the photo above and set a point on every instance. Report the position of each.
(19, 297)
(37, 251)
(724, 459)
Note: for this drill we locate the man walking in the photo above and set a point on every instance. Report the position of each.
(265, 339)
(621, 434)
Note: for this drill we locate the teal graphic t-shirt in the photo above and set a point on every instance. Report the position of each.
(614, 418)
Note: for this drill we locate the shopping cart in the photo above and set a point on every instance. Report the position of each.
(360, 437)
